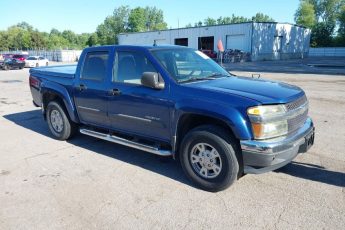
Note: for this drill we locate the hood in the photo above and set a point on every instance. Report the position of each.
(263, 91)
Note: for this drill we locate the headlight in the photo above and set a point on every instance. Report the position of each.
(268, 121)
(270, 130)
(267, 110)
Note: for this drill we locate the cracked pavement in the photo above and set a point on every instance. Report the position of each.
(87, 183)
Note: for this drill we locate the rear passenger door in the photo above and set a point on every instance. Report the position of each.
(134, 108)
(90, 88)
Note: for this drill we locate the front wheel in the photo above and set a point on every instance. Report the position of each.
(208, 158)
(59, 124)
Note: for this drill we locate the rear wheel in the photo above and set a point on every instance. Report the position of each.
(59, 123)
(208, 158)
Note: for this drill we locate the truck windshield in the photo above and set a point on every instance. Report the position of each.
(186, 65)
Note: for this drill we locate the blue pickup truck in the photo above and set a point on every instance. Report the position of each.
(176, 101)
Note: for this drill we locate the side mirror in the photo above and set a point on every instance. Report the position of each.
(152, 80)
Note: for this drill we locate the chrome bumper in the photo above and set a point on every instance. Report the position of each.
(265, 156)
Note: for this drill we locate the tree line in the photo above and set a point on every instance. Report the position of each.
(325, 18)
(24, 37)
(258, 17)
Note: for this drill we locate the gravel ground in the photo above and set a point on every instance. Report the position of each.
(87, 183)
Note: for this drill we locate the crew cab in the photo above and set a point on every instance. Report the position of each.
(176, 101)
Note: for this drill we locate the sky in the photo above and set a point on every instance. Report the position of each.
(85, 15)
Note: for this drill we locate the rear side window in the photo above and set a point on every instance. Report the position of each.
(95, 66)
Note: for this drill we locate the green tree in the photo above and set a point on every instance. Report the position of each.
(260, 17)
(55, 32)
(113, 25)
(25, 26)
(305, 14)
(210, 22)
(146, 19)
(340, 39)
(71, 37)
(231, 20)
(82, 40)
(155, 18)
(39, 40)
(93, 40)
(4, 42)
(321, 35)
(137, 20)
(326, 19)
(198, 24)
(189, 25)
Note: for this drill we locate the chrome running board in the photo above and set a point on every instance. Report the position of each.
(125, 142)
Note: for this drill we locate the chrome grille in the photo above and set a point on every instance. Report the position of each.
(296, 104)
(296, 122)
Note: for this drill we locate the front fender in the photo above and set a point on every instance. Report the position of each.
(232, 116)
(62, 92)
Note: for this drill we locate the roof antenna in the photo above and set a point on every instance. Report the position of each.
(154, 42)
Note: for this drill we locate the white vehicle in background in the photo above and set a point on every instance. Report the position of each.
(36, 61)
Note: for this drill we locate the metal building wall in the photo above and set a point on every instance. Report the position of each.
(169, 36)
(264, 41)
(279, 41)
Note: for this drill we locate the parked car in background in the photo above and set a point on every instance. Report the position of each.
(36, 61)
(211, 53)
(20, 57)
(7, 56)
(11, 63)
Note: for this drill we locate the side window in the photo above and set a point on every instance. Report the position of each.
(130, 66)
(95, 66)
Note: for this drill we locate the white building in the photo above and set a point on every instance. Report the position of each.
(263, 41)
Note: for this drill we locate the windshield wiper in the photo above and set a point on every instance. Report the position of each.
(191, 79)
(213, 76)
(218, 75)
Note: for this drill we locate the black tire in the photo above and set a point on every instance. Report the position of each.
(224, 144)
(68, 128)
(37, 65)
(21, 67)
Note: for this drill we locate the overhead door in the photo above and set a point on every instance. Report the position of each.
(235, 42)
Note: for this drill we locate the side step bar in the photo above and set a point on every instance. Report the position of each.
(125, 142)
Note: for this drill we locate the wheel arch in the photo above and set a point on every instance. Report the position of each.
(189, 121)
(62, 96)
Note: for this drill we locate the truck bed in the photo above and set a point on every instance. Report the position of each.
(64, 71)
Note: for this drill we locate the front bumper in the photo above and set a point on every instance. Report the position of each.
(265, 156)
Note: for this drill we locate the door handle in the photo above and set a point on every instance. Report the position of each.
(114, 92)
(82, 87)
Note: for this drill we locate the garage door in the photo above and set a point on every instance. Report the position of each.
(235, 42)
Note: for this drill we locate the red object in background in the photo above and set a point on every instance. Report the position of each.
(210, 53)
(20, 57)
(220, 46)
